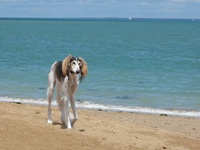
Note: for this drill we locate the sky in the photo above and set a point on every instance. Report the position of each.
(100, 8)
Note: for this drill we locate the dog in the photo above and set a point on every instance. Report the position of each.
(65, 75)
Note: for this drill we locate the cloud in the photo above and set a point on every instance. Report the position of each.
(183, 1)
(101, 8)
(76, 2)
(144, 2)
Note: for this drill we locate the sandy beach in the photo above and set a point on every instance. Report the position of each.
(24, 127)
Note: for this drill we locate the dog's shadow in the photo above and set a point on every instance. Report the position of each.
(62, 126)
(59, 124)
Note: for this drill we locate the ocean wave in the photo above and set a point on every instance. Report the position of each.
(95, 106)
(25, 101)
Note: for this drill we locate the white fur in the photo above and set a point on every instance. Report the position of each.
(64, 93)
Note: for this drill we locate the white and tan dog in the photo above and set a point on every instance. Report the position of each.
(66, 75)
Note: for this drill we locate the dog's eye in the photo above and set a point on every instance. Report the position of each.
(74, 63)
(79, 64)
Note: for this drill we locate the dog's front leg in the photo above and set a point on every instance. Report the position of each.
(73, 105)
(67, 118)
(65, 113)
(65, 109)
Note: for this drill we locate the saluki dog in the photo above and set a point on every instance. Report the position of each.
(66, 75)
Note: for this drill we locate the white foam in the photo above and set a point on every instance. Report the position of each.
(146, 110)
(24, 101)
(90, 105)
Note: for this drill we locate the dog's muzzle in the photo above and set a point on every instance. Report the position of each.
(78, 71)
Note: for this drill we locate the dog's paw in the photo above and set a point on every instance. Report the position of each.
(49, 122)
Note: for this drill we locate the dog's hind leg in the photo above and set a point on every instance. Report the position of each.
(50, 90)
(60, 101)
(58, 96)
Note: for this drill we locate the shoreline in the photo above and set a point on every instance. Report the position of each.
(113, 108)
(24, 126)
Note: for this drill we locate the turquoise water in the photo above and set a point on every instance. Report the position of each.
(140, 63)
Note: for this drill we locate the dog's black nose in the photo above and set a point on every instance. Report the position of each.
(78, 71)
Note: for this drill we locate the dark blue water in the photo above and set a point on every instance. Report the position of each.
(138, 63)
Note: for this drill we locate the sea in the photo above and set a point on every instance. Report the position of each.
(139, 65)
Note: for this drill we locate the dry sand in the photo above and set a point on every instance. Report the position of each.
(24, 127)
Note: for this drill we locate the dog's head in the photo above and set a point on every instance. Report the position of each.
(75, 65)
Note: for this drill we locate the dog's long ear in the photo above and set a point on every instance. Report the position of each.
(84, 68)
(65, 64)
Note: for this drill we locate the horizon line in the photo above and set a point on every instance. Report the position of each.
(124, 18)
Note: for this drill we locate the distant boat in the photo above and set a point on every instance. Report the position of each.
(130, 18)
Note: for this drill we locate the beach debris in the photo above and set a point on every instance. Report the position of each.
(82, 130)
(164, 147)
(163, 115)
(37, 112)
(19, 103)
(161, 148)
